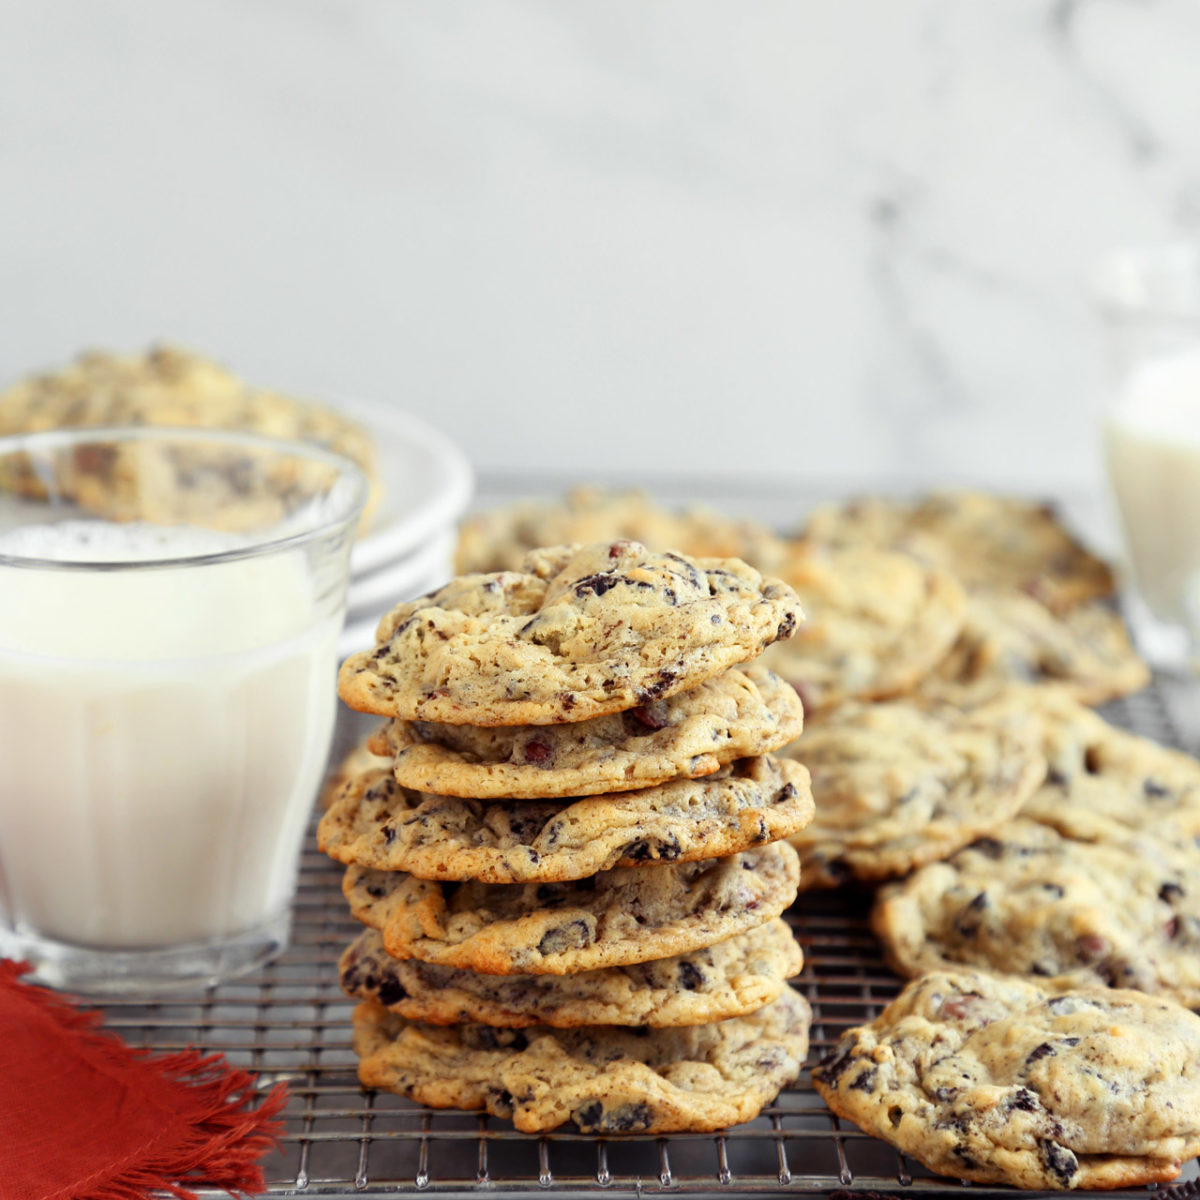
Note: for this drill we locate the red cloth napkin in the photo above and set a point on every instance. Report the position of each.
(85, 1117)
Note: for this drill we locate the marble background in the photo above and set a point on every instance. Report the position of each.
(818, 243)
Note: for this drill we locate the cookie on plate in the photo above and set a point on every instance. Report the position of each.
(500, 539)
(876, 624)
(897, 785)
(377, 823)
(627, 915)
(1009, 637)
(730, 979)
(1004, 1081)
(989, 542)
(605, 1080)
(578, 632)
(743, 711)
(167, 386)
(1122, 911)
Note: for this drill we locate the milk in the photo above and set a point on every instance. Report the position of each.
(1152, 440)
(162, 735)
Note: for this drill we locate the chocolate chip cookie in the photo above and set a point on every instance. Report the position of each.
(1010, 637)
(1003, 1081)
(743, 711)
(1121, 911)
(500, 539)
(361, 759)
(578, 632)
(1098, 774)
(876, 623)
(167, 386)
(897, 785)
(730, 979)
(990, 542)
(606, 1080)
(627, 915)
(377, 823)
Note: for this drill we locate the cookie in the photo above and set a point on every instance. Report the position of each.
(730, 979)
(897, 786)
(1123, 911)
(989, 542)
(1098, 774)
(743, 711)
(876, 623)
(167, 386)
(1009, 637)
(578, 632)
(1003, 1081)
(500, 539)
(377, 823)
(606, 1080)
(361, 759)
(627, 915)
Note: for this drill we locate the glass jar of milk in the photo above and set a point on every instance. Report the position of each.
(1150, 303)
(169, 608)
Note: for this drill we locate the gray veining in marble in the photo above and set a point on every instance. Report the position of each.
(797, 239)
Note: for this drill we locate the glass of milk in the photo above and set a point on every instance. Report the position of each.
(170, 602)
(1150, 304)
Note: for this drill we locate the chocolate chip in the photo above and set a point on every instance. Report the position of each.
(487, 1038)
(690, 976)
(539, 753)
(587, 1116)
(786, 627)
(654, 850)
(629, 1118)
(835, 1064)
(1024, 1099)
(598, 584)
(500, 1101)
(571, 936)
(652, 716)
(965, 1158)
(389, 834)
(1060, 1161)
(1170, 892)
(865, 1081)
(391, 991)
(665, 678)
(1038, 1053)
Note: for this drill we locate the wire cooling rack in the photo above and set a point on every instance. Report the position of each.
(291, 1022)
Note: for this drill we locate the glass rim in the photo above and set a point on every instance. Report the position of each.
(1111, 277)
(348, 508)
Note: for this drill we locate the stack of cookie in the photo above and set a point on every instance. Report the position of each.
(571, 865)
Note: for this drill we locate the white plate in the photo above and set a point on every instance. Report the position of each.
(373, 594)
(427, 483)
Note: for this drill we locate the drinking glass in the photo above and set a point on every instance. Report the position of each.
(170, 602)
(1149, 303)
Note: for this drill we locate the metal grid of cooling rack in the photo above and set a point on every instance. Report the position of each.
(291, 1022)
